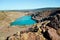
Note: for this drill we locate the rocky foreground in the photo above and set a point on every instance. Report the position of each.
(47, 29)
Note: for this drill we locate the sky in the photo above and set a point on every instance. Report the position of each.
(27, 4)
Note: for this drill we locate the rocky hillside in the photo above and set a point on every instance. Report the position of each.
(7, 17)
(46, 28)
(49, 29)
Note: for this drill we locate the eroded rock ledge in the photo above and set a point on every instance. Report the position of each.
(48, 28)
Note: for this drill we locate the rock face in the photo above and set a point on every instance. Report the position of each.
(55, 21)
(5, 19)
(39, 16)
(44, 32)
(26, 36)
(30, 36)
(52, 15)
(58, 31)
(47, 29)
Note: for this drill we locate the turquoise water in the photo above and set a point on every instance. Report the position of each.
(25, 20)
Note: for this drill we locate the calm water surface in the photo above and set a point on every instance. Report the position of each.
(25, 20)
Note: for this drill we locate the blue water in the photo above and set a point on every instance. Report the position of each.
(25, 20)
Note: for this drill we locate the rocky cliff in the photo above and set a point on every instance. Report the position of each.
(46, 28)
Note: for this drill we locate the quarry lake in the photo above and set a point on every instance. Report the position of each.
(25, 20)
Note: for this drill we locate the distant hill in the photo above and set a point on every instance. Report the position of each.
(33, 10)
